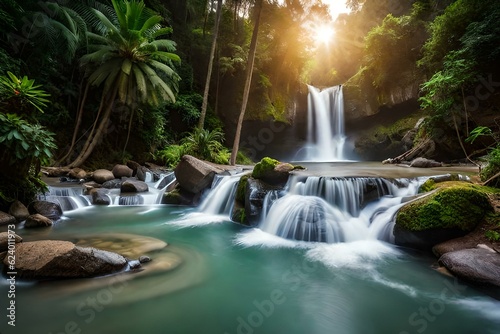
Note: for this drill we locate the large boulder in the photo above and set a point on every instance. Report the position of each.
(194, 175)
(133, 186)
(102, 175)
(479, 265)
(450, 211)
(120, 171)
(254, 196)
(4, 240)
(37, 220)
(19, 211)
(50, 259)
(424, 163)
(6, 219)
(50, 210)
(112, 184)
(142, 173)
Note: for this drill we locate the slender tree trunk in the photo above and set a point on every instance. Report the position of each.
(128, 132)
(466, 113)
(77, 124)
(204, 105)
(460, 141)
(94, 138)
(248, 82)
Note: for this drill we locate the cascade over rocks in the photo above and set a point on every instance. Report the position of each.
(50, 259)
(50, 210)
(100, 196)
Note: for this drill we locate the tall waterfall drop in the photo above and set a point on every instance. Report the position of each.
(325, 132)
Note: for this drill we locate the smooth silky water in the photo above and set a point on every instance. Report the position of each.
(219, 277)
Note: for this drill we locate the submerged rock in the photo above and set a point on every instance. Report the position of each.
(50, 259)
(100, 196)
(478, 265)
(50, 210)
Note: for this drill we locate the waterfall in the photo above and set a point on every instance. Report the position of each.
(325, 133)
(69, 198)
(336, 210)
(220, 200)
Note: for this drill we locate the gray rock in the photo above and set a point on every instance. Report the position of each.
(100, 196)
(424, 163)
(112, 184)
(102, 175)
(50, 210)
(133, 165)
(141, 173)
(50, 259)
(133, 186)
(19, 211)
(4, 240)
(6, 219)
(478, 265)
(255, 193)
(120, 171)
(37, 220)
(144, 259)
(194, 175)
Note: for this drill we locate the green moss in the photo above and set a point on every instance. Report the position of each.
(454, 205)
(264, 166)
(240, 191)
(428, 185)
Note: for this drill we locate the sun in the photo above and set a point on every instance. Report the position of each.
(323, 34)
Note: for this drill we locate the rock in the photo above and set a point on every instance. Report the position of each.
(50, 259)
(255, 193)
(112, 184)
(471, 240)
(133, 186)
(6, 219)
(77, 173)
(100, 196)
(272, 171)
(120, 171)
(88, 186)
(134, 166)
(478, 265)
(194, 175)
(144, 259)
(451, 211)
(37, 220)
(50, 210)
(4, 240)
(142, 173)
(102, 175)
(19, 211)
(134, 264)
(424, 163)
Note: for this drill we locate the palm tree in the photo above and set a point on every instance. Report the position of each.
(130, 62)
(248, 82)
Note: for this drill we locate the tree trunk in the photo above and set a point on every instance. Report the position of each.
(94, 138)
(248, 82)
(204, 105)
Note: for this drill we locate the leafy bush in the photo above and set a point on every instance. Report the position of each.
(22, 95)
(171, 155)
(492, 168)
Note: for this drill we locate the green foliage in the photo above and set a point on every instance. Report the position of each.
(22, 141)
(493, 167)
(21, 95)
(24, 189)
(478, 132)
(427, 186)
(492, 235)
(171, 155)
(454, 205)
(188, 106)
(201, 143)
(243, 159)
(264, 166)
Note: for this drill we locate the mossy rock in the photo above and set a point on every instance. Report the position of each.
(432, 182)
(454, 205)
(263, 167)
(241, 189)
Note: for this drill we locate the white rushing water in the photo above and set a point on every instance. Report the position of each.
(325, 133)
